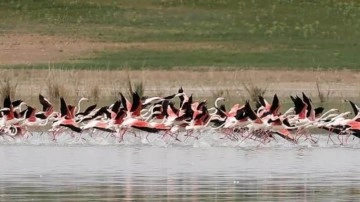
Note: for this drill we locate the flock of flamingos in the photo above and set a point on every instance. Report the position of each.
(188, 119)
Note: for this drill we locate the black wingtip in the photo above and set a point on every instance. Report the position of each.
(354, 107)
(63, 107)
(318, 110)
(7, 102)
(262, 100)
(123, 101)
(16, 103)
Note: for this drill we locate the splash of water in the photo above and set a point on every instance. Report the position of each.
(201, 139)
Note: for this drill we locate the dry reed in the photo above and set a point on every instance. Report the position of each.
(8, 87)
(254, 91)
(107, 84)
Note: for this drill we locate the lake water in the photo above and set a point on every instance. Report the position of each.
(40, 170)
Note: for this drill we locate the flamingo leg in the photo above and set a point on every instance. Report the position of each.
(338, 137)
(248, 136)
(198, 136)
(348, 134)
(122, 135)
(54, 135)
(329, 138)
(175, 136)
(188, 134)
(147, 137)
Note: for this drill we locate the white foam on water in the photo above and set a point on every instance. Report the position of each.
(203, 139)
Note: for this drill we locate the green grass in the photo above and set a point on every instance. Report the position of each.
(304, 34)
(206, 59)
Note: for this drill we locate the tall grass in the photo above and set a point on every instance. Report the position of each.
(323, 95)
(95, 93)
(8, 87)
(134, 87)
(104, 86)
(254, 91)
(55, 85)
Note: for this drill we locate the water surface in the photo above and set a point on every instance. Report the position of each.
(84, 172)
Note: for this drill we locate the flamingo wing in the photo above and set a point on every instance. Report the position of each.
(318, 111)
(354, 107)
(124, 102)
(249, 112)
(72, 127)
(64, 109)
(275, 106)
(240, 114)
(16, 103)
(263, 102)
(7, 102)
(30, 112)
(44, 102)
(89, 109)
(136, 105)
(116, 106)
(120, 116)
(309, 105)
(233, 110)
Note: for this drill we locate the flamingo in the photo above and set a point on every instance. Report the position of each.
(159, 115)
(8, 113)
(47, 108)
(66, 119)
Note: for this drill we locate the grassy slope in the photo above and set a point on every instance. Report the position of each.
(281, 33)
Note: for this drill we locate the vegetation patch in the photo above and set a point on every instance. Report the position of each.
(180, 34)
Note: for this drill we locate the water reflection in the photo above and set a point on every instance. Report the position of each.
(184, 187)
(177, 173)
